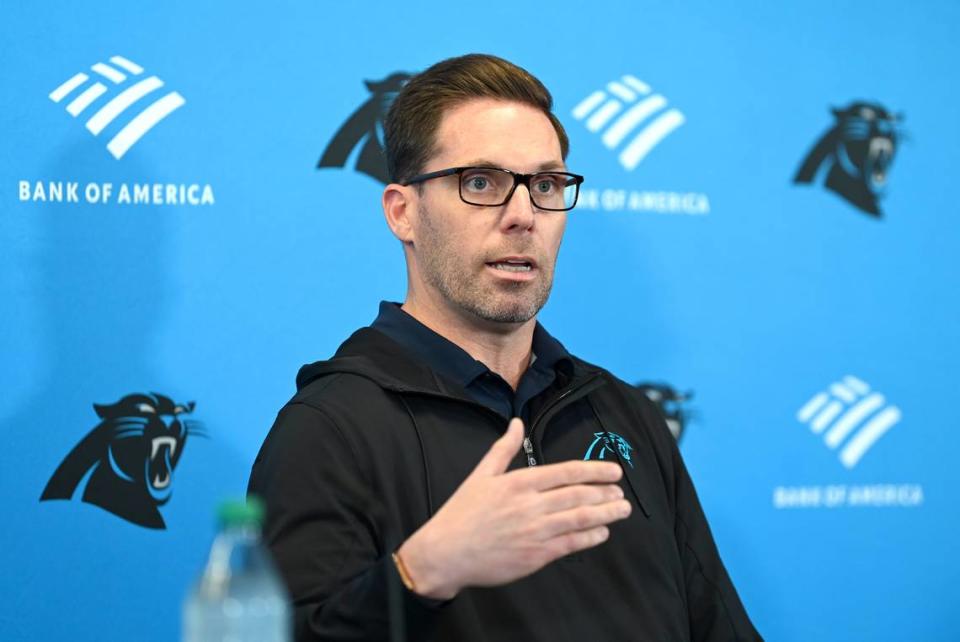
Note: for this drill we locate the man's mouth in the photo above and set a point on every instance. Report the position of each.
(513, 265)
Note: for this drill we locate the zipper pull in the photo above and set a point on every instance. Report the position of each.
(528, 448)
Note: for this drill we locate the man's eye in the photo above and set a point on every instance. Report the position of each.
(477, 183)
(549, 184)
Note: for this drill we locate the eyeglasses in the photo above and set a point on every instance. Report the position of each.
(493, 186)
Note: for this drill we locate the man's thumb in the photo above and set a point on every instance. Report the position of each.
(502, 452)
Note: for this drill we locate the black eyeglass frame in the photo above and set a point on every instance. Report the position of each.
(518, 179)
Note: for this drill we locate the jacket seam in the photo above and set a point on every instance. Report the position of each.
(713, 585)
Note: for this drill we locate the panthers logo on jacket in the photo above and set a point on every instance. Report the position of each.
(856, 154)
(607, 445)
(364, 128)
(128, 459)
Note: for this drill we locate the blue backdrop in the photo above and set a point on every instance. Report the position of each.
(820, 340)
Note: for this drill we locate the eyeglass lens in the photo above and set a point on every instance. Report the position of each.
(550, 191)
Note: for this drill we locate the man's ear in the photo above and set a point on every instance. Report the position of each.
(400, 210)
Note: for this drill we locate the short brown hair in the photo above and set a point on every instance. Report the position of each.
(412, 122)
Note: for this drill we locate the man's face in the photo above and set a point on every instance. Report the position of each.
(492, 263)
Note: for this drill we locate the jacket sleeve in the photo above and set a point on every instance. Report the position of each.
(715, 610)
(323, 531)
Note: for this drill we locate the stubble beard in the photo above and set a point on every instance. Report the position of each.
(503, 302)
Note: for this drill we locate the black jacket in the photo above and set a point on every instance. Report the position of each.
(374, 442)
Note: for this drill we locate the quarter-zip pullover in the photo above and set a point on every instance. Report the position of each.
(375, 440)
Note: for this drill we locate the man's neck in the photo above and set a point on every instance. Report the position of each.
(505, 348)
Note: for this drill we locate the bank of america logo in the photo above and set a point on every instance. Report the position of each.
(851, 415)
(626, 106)
(117, 75)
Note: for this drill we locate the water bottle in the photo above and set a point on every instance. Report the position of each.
(240, 596)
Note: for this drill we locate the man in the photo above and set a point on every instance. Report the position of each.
(443, 447)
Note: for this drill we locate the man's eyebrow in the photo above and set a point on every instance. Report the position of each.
(542, 167)
(560, 167)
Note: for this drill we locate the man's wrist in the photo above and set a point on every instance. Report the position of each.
(404, 573)
(419, 573)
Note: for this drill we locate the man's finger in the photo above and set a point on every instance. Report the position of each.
(576, 541)
(583, 518)
(502, 452)
(566, 497)
(569, 473)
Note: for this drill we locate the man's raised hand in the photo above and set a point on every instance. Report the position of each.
(500, 526)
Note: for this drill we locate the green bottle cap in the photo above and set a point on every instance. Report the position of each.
(241, 512)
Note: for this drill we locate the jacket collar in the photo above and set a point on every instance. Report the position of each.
(451, 361)
(372, 354)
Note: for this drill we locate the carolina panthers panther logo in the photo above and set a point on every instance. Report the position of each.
(856, 153)
(128, 459)
(671, 405)
(365, 127)
(609, 443)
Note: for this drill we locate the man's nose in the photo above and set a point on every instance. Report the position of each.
(518, 213)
